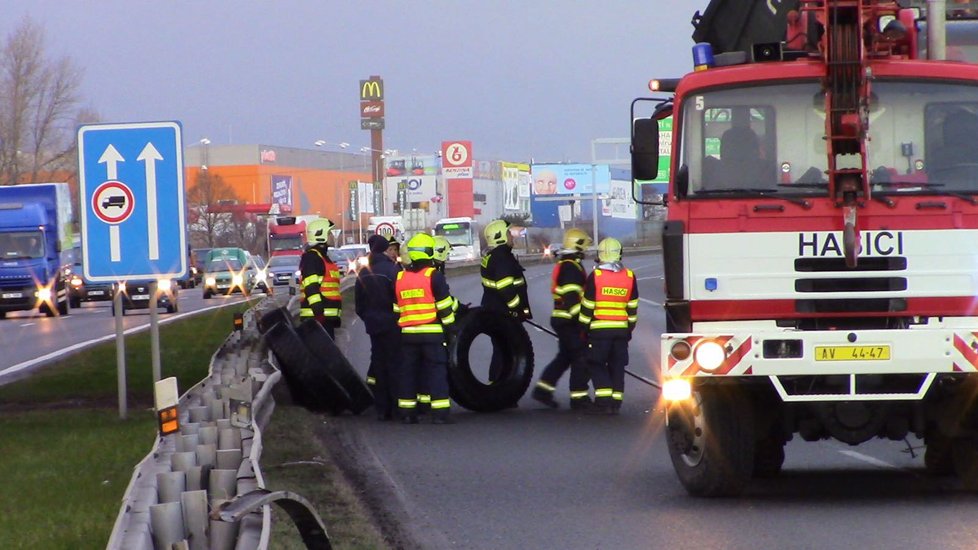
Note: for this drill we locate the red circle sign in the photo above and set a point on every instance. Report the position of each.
(385, 229)
(113, 202)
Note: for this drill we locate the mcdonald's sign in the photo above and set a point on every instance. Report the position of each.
(372, 90)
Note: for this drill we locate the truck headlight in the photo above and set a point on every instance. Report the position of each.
(677, 389)
(709, 355)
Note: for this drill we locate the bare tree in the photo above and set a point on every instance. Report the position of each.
(209, 193)
(39, 108)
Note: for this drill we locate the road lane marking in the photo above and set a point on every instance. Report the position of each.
(647, 301)
(870, 460)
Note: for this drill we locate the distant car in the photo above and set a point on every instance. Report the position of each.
(81, 291)
(226, 276)
(198, 257)
(136, 295)
(283, 269)
(259, 273)
(356, 256)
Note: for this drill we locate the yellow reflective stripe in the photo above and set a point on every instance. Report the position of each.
(312, 279)
(633, 303)
(417, 307)
(564, 289)
(575, 309)
(334, 274)
(615, 305)
(609, 324)
(546, 386)
(603, 392)
(489, 283)
(441, 403)
(397, 308)
(617, 396)
(423, 329)
(314, 299)
(407, 403)
(454, 304)
(514, 302)
(446, 303)
(424, 399)
(371, 380)
(562, 314)
(504, 282)
(584, 319)
(448, 320)
(587, 303)
(519, 281)
(633, 318)
(418, 317)
(332, 312)
(578, 394)
(305, 312)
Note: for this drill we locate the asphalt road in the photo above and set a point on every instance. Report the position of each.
(533, 477)
(29, 339)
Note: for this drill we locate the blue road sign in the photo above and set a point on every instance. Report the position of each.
(133, 217)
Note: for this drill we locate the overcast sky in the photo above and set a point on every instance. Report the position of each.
(522, 79)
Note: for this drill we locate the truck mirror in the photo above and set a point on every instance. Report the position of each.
(645, 149)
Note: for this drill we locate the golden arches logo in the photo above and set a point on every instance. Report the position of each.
(371, 90)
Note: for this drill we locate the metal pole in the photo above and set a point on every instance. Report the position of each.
(594, 203)
(936, 29)
(120, 350)
(154, 330)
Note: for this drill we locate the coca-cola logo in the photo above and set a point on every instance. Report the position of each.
(371, 109)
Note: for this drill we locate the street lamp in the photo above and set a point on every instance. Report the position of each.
(342, 145)
(203, 157)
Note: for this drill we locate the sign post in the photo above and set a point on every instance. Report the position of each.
(133, 224)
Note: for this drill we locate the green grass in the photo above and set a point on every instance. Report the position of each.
(66, 456)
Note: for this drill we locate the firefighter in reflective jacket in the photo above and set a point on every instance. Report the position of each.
(503, 284)
(567, 286)
(320, 279)
(609, 311)
(426, 317)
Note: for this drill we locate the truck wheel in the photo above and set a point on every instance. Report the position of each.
(964, 452)
(711, 442)
(335, 365)
(310, 385)
(768, 457)
(510, 341)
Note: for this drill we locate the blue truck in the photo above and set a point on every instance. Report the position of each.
(35, 248)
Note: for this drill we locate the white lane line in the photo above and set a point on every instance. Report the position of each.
(27, 324)
(647, 301)
(870, 460)
(647, 278)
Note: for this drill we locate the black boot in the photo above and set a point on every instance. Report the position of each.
(441, 417)
(545, 397)
(582, 404)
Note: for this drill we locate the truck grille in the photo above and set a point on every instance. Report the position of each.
(867, 277)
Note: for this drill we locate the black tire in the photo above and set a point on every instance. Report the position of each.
(768, 457)
(3, 314)
(272, 316)
(937, 456)
(310, 385)
(317, 341)
(207, 295)
(171, 307)
(75, 303)
(509, 338)
(964, 453)
(711, 442)
(63, 307)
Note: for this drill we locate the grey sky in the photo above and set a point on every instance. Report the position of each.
(519, 78)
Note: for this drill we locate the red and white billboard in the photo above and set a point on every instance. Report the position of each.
(456, 159)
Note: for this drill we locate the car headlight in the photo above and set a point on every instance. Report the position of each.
(709, 355)
(210, 281)
(362, 261)
(44, 294)
(237, 279)
(76, 281)
(164, 285)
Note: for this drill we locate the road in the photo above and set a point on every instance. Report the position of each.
(29, 339)
(533, 477)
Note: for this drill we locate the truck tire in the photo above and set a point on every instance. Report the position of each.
(317, 341)
(937, 454)
(964, 452)
(711, 442)
(272, 316)
(510, 339)
(768, 457)
(311, 387)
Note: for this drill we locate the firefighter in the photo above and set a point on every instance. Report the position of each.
(320, 279)
(426, 317)
(609, 310)
(374, 302)
(503, 284)
(567, 286)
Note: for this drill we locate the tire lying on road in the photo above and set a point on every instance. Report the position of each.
(510, 341)
(335, 364)
(311, 386)
(272, 316)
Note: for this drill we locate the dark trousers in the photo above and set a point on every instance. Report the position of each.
(385, 349)
(607, 359)
(571, 353)
(421, 362)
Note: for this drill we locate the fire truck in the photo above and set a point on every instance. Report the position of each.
(821, 242)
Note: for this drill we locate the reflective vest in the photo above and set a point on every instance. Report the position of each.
(561, 309)
(329, 289)
(612, 290)
(418, 313)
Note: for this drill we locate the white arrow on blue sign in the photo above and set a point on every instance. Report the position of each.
(133, 216)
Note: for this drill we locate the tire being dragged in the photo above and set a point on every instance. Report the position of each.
(310, 385)
(510, 341)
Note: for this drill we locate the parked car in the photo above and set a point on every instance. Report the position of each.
(282, 270)
(226, 276)
(80, 290)
(136, 295)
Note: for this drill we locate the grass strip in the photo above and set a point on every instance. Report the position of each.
(66, 455)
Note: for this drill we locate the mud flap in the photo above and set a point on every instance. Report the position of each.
(330, 358)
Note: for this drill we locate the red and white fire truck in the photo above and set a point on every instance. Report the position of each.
(821, 245)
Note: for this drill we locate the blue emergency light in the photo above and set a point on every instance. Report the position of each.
(702, 56)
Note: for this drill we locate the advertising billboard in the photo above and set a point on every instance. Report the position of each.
(569, 179)
(514, 177)
(456, 159)
(282, 193)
